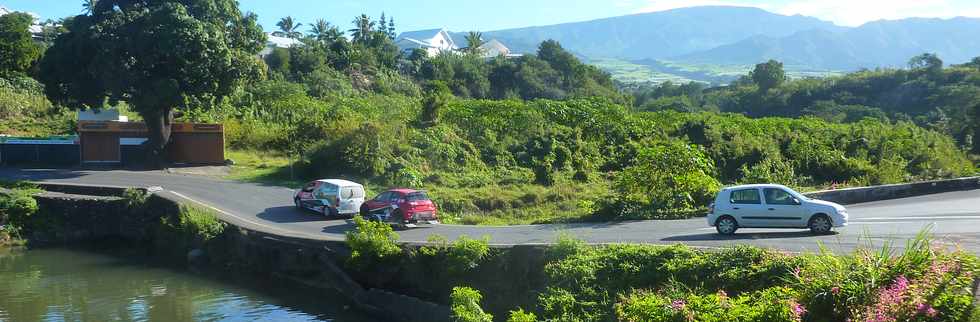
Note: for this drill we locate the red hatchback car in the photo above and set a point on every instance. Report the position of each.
(403, 207)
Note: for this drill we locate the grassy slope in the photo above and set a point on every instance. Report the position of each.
(630, 72)
(487, 205)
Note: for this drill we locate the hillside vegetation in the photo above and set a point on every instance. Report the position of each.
(545, 137)
(942, 99)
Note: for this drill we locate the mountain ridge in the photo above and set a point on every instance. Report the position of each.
(732, 35)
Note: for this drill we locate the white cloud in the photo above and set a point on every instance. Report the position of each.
(842, 12)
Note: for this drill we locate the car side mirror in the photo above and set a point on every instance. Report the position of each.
(797, 201)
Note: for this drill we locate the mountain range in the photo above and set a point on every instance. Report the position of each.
(723, 35)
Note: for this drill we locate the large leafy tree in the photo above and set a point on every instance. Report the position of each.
(668, 175)
(288, 28)
(17, 50)
(156, 55)
(768, 75)
(926, 61)
(363, 29)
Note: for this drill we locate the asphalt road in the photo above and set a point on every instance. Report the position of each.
(953, 218)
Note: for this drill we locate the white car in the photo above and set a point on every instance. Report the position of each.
(330, 197)
(772, 206)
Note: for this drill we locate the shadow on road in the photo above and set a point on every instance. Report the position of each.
(289, 214)
(745, 236)
(339, 227)
(38, 174)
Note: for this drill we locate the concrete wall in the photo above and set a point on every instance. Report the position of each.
(76, 213)
(895, 191)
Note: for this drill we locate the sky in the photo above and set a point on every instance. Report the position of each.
(465, 15)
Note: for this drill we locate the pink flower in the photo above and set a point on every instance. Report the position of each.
(796, 272)
(678, 305)
(835, 290)
(925, 309)
(798, 310)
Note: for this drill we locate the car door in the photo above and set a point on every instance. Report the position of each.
(379, 202)
(746, 206)
(325, 195)
(783, 209)
(306, 194)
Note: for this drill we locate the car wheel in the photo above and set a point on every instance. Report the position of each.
(726, 226)
(364, 212)
(329, 212)
(398, 217)
(820, 224)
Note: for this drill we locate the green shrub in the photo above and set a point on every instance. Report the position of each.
(372, 243)
(521, 316)
(197, 225)
(770, 170)
(771, 305)
(465, 303)
(459, 256)
(668, 175)
(16, 206)
(135, 198)
(743, 283)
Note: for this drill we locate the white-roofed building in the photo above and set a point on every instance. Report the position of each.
(433, 41)
(273, 42)
(35, 28)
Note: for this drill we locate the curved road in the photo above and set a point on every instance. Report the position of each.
(953, 217)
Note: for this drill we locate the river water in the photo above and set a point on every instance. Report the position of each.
(87, 285)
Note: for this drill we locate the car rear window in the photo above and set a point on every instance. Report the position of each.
(417, 196)
(352, 192)
(746, 197)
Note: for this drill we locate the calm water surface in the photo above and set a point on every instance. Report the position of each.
(82, 285)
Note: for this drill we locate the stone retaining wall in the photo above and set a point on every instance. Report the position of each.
(78, 213)
(895, 191)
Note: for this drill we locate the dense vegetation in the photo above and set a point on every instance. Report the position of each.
(943, 99)
(16, 207)
(572, 281)
(546, 138)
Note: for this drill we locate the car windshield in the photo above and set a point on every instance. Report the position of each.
(417, 196)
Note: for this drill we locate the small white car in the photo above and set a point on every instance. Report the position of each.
(772, 206)
(330, 197)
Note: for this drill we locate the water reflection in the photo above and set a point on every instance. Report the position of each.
(79, 285)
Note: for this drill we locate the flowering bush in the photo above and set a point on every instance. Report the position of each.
(924, 283)
(774, 304)
(677, 283)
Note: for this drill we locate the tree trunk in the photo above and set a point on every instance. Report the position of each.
(158, 123)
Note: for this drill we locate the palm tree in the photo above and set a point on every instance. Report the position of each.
(288, 28)
(474, 41)
(89, 6)
(324, 32)
(363, 29)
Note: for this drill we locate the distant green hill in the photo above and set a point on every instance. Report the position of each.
(729, 38)
(660, 34)
(876, 44)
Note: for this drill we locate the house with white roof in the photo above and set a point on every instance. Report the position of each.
(433, 41)
(273, 42)
(35, 28)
